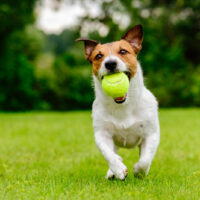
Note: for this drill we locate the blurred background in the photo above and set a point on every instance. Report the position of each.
(42, 68)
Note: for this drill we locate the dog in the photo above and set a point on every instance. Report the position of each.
(128, 121)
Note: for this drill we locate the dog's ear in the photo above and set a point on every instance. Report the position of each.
(135, 37)
(89, 46)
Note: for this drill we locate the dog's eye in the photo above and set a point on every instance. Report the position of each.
(98, 56)
(123, 51)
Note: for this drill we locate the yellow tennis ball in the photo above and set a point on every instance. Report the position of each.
(115, 85)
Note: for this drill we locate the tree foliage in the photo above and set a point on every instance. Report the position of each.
(41, 71)
(17, 51)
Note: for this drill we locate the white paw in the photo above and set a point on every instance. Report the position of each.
(110, 174)
(141, 169)
(118, 169)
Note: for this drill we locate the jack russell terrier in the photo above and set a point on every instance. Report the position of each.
(128, 121)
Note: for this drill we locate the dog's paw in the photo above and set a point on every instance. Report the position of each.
(119, 169)
(110, 174)
(141, 169)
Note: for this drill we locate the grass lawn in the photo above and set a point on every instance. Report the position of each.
(54, 156)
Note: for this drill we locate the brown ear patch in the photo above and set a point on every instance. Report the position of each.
(135, 37)
(89, 46)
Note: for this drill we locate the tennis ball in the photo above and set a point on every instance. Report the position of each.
(115, 85)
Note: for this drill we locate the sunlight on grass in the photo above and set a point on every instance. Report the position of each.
(53, 156)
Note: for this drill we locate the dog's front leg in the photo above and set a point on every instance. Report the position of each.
(106, 145)
(147, 151)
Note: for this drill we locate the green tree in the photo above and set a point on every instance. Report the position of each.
(17, 51)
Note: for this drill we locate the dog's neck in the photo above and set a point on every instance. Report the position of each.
(133, 96)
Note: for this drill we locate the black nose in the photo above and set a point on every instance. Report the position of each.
(111, 65)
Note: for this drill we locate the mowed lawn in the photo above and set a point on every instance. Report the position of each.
(54, 156)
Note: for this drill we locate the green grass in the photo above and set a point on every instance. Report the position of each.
(53, 156)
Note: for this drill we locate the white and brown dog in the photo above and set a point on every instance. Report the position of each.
(127, 121)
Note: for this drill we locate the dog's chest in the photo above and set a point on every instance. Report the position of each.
(127, 137)
(127, 130)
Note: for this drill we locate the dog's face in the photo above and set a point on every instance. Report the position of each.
(119, 56)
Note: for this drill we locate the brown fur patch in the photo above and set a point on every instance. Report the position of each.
(130, 58)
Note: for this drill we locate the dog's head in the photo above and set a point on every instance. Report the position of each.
(118, 56)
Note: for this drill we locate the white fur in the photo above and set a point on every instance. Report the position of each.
(132, 123)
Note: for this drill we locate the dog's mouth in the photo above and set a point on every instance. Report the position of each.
(126, 72)
(122, 99)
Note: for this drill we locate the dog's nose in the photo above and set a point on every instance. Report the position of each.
(111, 65)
